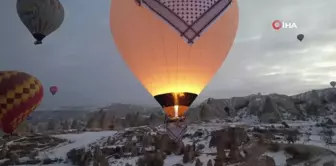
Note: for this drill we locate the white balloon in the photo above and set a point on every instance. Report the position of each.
(41, 17)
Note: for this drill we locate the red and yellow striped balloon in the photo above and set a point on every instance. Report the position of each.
(20, 94)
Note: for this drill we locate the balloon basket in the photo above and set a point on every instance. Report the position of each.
(38, 42)
(176, 130)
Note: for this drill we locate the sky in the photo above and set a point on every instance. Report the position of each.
(82, 60)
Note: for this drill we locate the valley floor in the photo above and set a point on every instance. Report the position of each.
(86, 138)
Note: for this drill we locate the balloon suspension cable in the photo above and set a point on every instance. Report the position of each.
(176, 129)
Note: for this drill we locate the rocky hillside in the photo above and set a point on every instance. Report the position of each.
(211, 144)
(272, 108)
(268, 108)
(302, 131)
(115, 109)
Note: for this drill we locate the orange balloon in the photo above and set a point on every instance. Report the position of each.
(20, 94)
(174, 53)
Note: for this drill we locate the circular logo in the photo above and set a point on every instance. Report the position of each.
(277, 24)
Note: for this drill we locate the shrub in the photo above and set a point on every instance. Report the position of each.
(274, 147)
(151, 160)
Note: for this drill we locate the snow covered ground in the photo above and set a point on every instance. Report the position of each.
(77, 141)
(86, 138)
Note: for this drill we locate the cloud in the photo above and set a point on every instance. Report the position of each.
(276, 57)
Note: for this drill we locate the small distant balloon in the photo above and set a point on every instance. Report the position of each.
(300, 37)
(53, 90)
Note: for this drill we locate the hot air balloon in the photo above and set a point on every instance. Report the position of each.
(300, 37)
(174, 48)
(53, 90)
(333, 84)
(41, 17)
(20, 94)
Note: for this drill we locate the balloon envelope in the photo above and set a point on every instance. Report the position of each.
(20, 94)
(53, 90)
(300, 37)
(174, 53)
(41, 17)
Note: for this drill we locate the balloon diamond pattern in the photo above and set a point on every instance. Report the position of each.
(189, 17)
(176, 130)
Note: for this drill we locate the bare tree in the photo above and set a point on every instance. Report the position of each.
(307, 138)
(104, 121)
(326, 135)
(90, 123)
(51, 125)
(292, 136)
(74, 124)
(65, 125)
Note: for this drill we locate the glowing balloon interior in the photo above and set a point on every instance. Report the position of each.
(174, 47)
